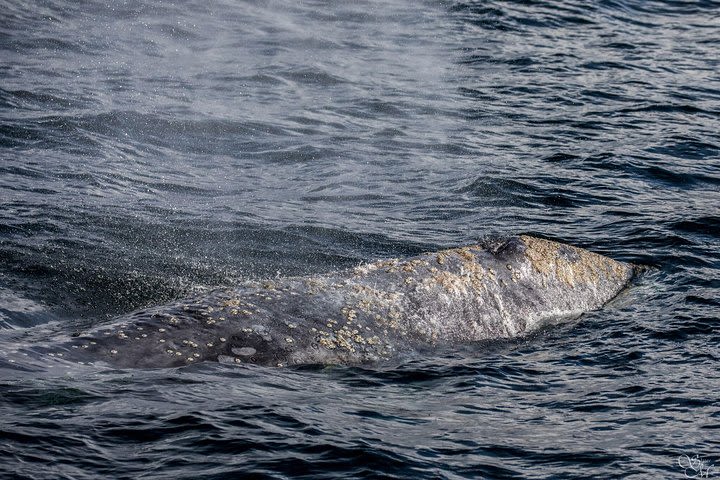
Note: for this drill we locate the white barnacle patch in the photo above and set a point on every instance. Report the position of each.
(144, 335)
(233, 302)
(162, 340)
(161, 330)
(196, 355)
(244, 351)
(179, 354)
(113, 352)
(86, 346)
(190, 359)
(223, 339)
(209, 344)
(289, 340)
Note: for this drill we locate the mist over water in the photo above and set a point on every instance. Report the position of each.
(149, 151)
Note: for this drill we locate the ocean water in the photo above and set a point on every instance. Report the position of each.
(149, 150)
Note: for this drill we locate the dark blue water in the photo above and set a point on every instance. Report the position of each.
(152, 149)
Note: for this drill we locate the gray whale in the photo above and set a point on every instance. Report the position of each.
(364, 315)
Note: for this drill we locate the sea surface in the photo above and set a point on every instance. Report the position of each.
(151, 150)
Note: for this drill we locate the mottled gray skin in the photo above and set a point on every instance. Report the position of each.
(364, 315)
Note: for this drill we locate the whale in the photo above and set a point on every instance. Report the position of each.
(369, 314)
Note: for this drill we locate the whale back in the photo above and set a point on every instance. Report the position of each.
(371, 313)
